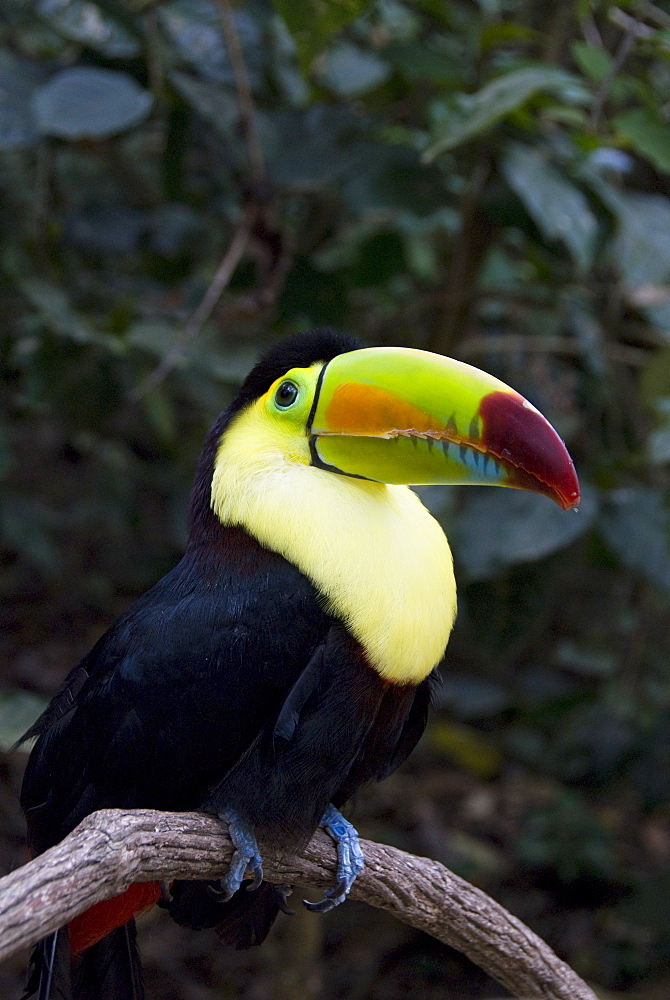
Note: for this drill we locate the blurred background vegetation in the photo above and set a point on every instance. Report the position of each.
(182, 182)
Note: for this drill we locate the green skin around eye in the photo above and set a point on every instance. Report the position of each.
(304, 380)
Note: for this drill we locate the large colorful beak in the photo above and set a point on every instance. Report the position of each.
(397, 415)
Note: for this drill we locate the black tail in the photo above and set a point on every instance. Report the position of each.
(110, 970)
(241, 922)
(49, 973)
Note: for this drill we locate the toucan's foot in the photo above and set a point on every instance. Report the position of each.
(350, 861)
(246, 856)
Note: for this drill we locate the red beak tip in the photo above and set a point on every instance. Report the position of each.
(515, 430)
(570, 499)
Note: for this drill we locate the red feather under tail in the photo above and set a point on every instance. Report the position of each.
(102, 918)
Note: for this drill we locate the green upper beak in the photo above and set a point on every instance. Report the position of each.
(397, 415)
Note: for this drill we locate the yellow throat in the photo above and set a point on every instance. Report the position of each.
(374, 552)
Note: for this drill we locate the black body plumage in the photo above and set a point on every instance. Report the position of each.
(226, 685)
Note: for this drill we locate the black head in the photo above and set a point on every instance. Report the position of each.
(298, 351)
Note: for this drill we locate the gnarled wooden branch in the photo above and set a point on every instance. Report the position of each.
(111, 849)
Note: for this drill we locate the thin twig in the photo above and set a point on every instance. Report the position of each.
(44, 169)
(559, 29)
(242, 237)
(201, 314)
(591, 33)
(468, 251)
(155, 67)
(244, 94)
(602, 93)
(630, 24)
(112, 848)
(654, 13)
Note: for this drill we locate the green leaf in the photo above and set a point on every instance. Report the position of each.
(333, 146)
(647, 134)
(659, 444)
(397, 21)
(635, 523)
(194, 27)
(312, 298)
(86, 102)
(640, 250)
(501, 33)
(505, 94)
(156, 337)
(586, 660)
(594, 61)
(18, 82)
(563, 834)
(18, 711)
(5, 454)
(159, 409)
(59, 316)
(26, 528)
(470, 697)
(350, 71)
(654, 386)
(85, 22)
(655, 377)
(502, 528)
(284, 64)
(416, 61)
(466, 747)
(30, 35)
(313, 22)
(557, 207)
(215, 103)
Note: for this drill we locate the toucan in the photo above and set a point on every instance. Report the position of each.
(290, 656)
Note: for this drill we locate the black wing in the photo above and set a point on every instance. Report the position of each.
(339, 726)
(175, 692)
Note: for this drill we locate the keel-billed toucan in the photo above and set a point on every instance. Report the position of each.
(289, 657)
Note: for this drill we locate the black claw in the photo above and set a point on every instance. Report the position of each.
(324, 906)
(256, 880)
(283, 892)
(218, 893)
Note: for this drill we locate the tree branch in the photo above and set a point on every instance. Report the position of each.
(245, 98)
(633, 30)
(470, 246)
(111, 849)
(202, 312)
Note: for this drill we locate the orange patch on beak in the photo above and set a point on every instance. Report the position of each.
(369, 411)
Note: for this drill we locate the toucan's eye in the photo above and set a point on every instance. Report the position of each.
(286, 395)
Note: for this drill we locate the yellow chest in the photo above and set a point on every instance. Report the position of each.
(378, 557)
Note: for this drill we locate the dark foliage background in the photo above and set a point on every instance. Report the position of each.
(486, 179)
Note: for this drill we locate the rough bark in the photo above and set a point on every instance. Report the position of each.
(111, 849)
